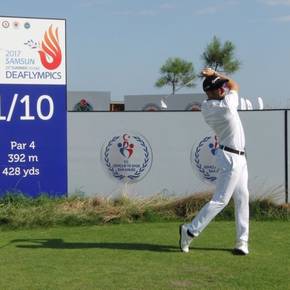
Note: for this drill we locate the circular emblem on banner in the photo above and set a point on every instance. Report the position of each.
(27, 25)
(151, 108)
(5, 24)
(83, 106)
(127, 157)
(16, 24)
(203, 159)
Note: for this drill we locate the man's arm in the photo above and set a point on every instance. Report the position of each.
(231, 84)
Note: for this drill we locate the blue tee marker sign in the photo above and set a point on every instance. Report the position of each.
(33, 120)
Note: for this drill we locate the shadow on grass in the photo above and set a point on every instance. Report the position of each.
(60, 244)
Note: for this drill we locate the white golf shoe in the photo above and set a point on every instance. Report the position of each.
(241, 248)
(185, 238)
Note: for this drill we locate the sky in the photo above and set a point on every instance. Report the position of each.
(120, 45)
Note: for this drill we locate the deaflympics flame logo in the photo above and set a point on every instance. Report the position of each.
(50, 53)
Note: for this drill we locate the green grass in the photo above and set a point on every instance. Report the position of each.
(143, 256)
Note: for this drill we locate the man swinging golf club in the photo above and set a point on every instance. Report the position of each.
(220, 113)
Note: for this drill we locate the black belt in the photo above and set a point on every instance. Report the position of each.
(225, 148)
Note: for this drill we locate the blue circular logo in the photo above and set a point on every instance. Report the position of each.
(203, 159)
(27, 25)
(127, 157)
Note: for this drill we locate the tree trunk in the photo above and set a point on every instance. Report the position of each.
(173, 88)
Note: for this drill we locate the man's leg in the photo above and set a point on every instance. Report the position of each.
(227, 181)
(241, 199)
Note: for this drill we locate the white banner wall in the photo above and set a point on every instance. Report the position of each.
(265, 150)
(288, 150)
(163, 164)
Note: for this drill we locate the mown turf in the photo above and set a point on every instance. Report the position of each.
(143, 256)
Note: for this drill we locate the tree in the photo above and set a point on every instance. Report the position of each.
(176, 72)
(220, 56)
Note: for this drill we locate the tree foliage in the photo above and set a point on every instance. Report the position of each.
(176, 72)
(220, 56)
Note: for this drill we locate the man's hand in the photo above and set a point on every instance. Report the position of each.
(207, 72)
(231, 84)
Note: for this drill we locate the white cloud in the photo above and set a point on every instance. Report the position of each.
(123, 13)
(208, 10)
(167, 6)
(282, 18)
(91, 3)
(232, 2)
(147, 13)
(213, 9)
(276, 2)
(132, 13)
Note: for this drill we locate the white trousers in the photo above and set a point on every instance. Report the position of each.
(232, 181)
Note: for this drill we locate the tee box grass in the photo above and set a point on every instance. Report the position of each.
(144, 256)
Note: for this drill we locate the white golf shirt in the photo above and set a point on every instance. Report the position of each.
(222, 116)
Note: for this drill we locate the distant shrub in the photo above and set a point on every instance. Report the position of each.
(19, 211)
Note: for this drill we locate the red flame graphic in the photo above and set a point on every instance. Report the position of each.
(50, 53)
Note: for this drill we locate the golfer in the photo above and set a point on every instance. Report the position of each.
(220, 113)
